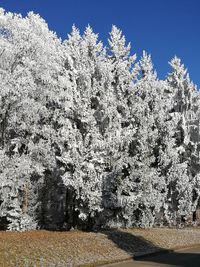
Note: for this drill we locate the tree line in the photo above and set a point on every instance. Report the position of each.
(94, 130)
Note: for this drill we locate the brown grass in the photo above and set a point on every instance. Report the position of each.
(76, 248)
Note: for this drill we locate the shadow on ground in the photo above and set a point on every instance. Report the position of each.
(135, 246)
(181, 259)
(131, 244)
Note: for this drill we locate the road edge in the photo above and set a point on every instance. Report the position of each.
(148, 254)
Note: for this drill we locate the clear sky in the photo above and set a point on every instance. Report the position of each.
(161, 27)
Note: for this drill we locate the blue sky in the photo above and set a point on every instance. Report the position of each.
(161, 27)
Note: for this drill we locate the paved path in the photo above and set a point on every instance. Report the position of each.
(182, 258)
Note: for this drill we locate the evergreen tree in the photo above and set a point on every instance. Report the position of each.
(88, 136)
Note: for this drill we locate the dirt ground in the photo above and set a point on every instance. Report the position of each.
(77, 248)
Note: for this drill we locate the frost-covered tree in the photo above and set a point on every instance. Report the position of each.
(181, 178)
(30, 67)
(88, 136)
(85, 151)
(149, 183)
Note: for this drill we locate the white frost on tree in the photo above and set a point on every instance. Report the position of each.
(90, 137)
